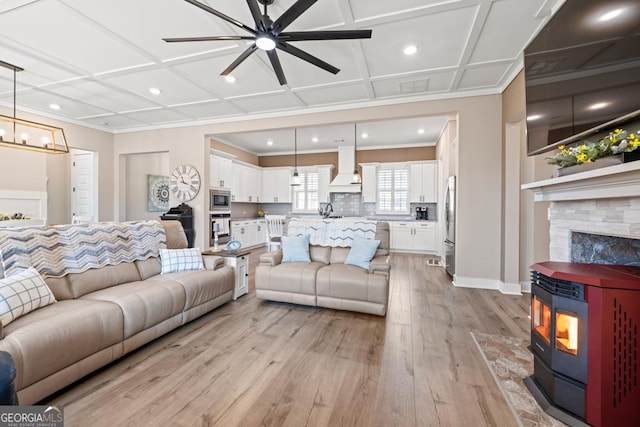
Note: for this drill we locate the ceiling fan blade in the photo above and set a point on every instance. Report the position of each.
(290, 15)
(221, 16)
(206, 39)
(244, 55)
(324, 35)
(257, 16)
(277, 67)
(307, 57)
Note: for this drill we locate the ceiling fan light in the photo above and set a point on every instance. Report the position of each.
(265, 42)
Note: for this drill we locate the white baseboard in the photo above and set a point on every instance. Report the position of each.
(491, 284)
(510, 288)
(526, 287)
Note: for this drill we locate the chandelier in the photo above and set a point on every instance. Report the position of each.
(28, 135)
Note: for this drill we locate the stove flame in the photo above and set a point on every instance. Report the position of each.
(567, 332)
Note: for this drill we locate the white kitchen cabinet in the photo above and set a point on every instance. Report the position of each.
(246, 184)
(324, 180)
(262, 232)
(220, 172)
(251, 188)
(237, 186)
(413, 236)
(276, 185)
(369, 182)
(422, 182)
(249, 232)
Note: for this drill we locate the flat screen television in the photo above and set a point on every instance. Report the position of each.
(582, 73)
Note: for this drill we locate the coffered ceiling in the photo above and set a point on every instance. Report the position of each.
(97, 60)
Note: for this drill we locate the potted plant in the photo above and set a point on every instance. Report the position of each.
(613, 147)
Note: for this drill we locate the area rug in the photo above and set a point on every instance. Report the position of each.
(510, 362)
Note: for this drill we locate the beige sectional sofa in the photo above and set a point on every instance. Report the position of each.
(104, 313)
(327, 281)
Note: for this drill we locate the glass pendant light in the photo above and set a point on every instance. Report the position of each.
(295, 180)
(356, 179)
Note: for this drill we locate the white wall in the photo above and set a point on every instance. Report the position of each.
(138, 168)
(184, 146)
(22, 170)
(25, 170)
(478, 257)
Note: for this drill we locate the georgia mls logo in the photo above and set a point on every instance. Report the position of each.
(55, 409)
(31, 416)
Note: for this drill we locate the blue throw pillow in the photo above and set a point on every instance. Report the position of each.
(362, 251)
(295, 248)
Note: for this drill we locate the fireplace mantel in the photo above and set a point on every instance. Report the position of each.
(609, 182)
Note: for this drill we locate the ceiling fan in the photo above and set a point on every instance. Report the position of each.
(269, 35)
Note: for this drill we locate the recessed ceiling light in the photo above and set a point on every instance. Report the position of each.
(611, 15)
(270, 142)
(410, 49)
(154, 91)
(364, 135)
(534, 117)
(420, 131)
(598, 105)
(55, 107)
(314, 139)
(230, 79)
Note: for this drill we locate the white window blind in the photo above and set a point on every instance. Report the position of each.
(305, 196)
(393, 190)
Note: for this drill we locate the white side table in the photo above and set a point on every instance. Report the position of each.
(239, 261)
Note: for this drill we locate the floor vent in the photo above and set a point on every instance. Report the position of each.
(433, 261)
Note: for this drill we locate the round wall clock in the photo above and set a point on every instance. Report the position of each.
(185, 182)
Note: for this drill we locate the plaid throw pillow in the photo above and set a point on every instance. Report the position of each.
(21, 293)
(180, 260)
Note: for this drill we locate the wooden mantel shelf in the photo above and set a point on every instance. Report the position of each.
(609, 182)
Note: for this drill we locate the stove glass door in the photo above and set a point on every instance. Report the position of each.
(541, 319)
(566, 332)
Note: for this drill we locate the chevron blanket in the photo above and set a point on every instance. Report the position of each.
(60, 250)
(332, 232)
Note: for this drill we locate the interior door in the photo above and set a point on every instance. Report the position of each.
(83, 195)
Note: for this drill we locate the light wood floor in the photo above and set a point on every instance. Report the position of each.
(253, 362)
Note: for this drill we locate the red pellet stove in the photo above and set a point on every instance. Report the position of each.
(585, 342)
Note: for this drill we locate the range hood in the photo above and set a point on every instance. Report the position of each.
(346, 165)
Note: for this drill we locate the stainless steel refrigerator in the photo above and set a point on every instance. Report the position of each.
(450, 226)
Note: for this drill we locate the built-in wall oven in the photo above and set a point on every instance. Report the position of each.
(220, 222)
(219, 201)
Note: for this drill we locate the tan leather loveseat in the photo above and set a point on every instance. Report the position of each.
(326, 281)
(102, 314)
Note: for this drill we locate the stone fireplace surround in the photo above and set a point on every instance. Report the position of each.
(603, 217)
(603, 202)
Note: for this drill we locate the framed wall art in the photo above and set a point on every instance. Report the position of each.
(158, 200)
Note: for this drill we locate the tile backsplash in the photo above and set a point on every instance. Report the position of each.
(344, 204)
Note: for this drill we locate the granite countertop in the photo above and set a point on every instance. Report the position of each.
(374, 218)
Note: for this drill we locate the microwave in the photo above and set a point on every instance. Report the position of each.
(220, 201)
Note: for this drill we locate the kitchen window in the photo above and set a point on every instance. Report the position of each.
(305, 196)
(393, 190)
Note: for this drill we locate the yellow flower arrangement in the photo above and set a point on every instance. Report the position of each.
(618, 141)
